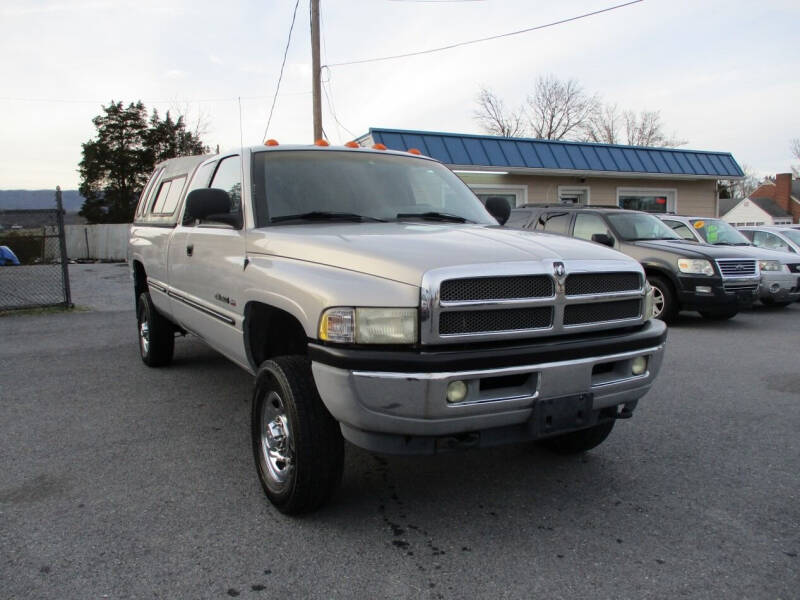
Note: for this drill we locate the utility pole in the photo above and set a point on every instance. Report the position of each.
(315, 69)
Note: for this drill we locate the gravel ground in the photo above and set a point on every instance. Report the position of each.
(121, 481)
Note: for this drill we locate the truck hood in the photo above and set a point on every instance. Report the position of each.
(404, 251)
(692, 249)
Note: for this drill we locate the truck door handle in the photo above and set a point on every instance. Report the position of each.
(189, 249)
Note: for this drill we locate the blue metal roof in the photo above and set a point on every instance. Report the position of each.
(488, 151)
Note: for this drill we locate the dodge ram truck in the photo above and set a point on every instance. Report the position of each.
(376, 300)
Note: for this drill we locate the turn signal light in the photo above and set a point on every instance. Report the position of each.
(379, 147)
(414, 151)
(321, 142)
(271, 142)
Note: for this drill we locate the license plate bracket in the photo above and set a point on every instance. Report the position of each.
(563, 414)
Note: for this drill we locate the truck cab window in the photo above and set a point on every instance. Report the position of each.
(229, 178)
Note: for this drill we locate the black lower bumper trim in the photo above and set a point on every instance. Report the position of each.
(652, 333)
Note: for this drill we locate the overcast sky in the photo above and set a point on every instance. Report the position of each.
(724, 74)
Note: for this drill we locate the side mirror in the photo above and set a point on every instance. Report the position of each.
(603, 238)
(498, 208)
(210, 204)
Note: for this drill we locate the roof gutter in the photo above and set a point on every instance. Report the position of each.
(587, 174)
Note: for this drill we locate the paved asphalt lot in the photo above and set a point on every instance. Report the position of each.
(120, 481)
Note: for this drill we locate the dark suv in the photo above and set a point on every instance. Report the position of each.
(685, 275)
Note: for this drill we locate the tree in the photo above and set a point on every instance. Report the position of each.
(795, 145)
(562, 109)
(559, 109)
(117, 162)
(495, 118)
(739, 188)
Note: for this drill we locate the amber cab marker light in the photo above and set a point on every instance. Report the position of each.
(352, 145)
(271, 142)
(379, 147)
(414, 151)
(321, 142)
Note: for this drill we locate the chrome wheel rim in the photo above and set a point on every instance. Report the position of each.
(658, 302)
(144, 335)
(277, 445)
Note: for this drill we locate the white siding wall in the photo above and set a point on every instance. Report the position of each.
(747, 212)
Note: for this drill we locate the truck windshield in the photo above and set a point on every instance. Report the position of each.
(792, 234)
(633, 226)
(716, 231)
(299, 185)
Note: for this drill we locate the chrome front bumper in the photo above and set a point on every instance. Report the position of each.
(779, 286)
(415, 404)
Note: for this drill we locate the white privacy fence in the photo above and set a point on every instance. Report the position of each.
(101, 242)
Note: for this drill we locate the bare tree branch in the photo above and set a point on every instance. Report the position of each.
(559, 109)
(739, 188)
(795, 146)
(494, 118)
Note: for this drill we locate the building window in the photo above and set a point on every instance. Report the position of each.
(654, 200)
(514, 195)
(573, 194)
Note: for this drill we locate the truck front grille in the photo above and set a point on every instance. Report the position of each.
(528, 299)
(511, 319)
(497, 288)
(584, 284)
(578, 314)
(734, 267)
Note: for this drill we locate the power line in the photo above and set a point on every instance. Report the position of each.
(329, 92)
(486, 39)
(172, 100)
(283, 64)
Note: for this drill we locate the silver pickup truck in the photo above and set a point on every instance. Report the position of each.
(376, 300)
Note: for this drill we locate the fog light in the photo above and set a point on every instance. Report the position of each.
(639, 365)
(456, 391)
(775, 288)
(703, 289)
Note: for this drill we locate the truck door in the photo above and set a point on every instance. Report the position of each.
(206, 264)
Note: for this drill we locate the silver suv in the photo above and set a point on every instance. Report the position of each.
(375, 299)
(780, 270)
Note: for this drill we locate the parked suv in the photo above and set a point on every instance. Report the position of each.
(376, 300)
(714, 281)
(780, 271)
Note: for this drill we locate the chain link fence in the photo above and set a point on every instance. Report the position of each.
(36, 239)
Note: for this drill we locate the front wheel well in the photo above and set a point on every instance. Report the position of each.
(139, 279)
(270, 332)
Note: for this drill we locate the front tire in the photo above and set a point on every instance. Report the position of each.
(297, 444)
(665, 302)
(579, 441)
(156, 334)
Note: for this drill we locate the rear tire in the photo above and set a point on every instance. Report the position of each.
(156, 334)
(297, 444)
(665, 302)
(579, 441)
(720, 315)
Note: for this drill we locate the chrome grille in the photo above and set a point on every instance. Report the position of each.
(514, 319)
(598, 312)
(496, 288)
(528, 299)
(584, 284)
(734, 267)
(739, 287)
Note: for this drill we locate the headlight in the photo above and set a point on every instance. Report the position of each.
(369, 325)
(649, 305)
(697, 266)
(772, 265)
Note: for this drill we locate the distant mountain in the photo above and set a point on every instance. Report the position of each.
(22, 199)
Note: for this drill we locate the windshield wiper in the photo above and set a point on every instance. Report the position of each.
(434, 216)
(324, 215)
